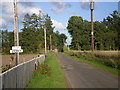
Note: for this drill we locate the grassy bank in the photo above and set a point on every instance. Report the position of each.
(98, 61)
(51, 77)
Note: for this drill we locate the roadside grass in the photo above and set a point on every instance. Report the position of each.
(65, 48)
(54, 80)
(95, 64)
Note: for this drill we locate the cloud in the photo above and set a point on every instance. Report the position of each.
(2, 22)
(59, 6)
(85, 5)
(73, 12)
(28, 4)
(58, 25)
(22, 9)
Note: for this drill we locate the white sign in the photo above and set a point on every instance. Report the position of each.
(16, 51)
(16, 47)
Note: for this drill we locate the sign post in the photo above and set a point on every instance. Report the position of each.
(16, 50)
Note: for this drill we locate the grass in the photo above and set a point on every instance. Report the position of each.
(54, 80)
(95, 64)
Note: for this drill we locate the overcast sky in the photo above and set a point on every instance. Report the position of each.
(60, 12)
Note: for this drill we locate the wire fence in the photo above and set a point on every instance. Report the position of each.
(0, 81)
(20, 75)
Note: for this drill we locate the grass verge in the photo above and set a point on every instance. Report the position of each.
(54, 80)
(95, 64)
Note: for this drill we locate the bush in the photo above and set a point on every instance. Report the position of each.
(108, 60)
(45, 69)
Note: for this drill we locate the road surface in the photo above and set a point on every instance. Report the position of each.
(81, 75)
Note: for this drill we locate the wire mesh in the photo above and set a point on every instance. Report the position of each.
(20, 75)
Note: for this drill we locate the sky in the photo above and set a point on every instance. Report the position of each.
(59, 11)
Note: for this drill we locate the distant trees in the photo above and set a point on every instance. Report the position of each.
(7, 41)
(106, 33)
(32, 35)
(59, 41)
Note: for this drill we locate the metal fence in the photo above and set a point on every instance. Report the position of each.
(0, 81)
(20, 75)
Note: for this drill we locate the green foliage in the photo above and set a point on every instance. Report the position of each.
(106, 33)
(7, 41)
(31, 37)
(111, 61)
(7, 67)
(65, 48)
(59, 41)
(53, 80)
(79, 30)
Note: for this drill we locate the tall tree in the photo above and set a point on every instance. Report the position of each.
(74, 28)
(106, 32)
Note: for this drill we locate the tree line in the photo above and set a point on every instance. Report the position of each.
(31, 36)
(106, 33)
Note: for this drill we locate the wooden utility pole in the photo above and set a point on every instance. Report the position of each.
(50, 43)
(45, 40)
(16, 33)
(43, 22)
(92, 25)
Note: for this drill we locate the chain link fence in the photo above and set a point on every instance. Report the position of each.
(0, 81)
(20, 75)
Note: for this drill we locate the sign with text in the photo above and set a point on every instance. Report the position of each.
(16, 49)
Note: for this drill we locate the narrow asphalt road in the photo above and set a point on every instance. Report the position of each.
(81, 75)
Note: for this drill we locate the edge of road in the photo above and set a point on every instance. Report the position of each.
(94, 67)
(64, 75)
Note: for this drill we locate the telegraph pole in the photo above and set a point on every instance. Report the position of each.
(16, 33)
(92, 25)
(45, 39)
(40, 14)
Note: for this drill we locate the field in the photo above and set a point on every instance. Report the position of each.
(107, 53)
(10, 59)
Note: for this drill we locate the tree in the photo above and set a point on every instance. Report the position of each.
(79, 30)
(59, 41)
(74, 26)
(32, 36)
(49, 29)
(106, 33)
(7, 41)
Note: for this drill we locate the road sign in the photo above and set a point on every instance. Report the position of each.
(16, 47)
(16, 51)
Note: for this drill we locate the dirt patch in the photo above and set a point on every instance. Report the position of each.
(10, 59)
